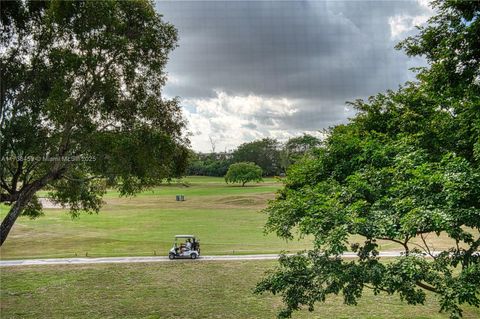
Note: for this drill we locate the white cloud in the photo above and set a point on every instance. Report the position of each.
(425, 4)
(400, 24)
(232, 119)
(282, 68)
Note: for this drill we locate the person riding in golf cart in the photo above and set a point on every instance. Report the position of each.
(189, 247)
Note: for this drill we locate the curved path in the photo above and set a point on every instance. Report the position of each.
(118, 260)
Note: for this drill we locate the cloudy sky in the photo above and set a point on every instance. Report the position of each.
(245, 70)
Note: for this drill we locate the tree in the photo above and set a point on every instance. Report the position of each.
(451, 45)
(265, 153)
(404, 170)
(243, 173)
(296, 147)
(81, 103)
(210, 164)
(301, 144)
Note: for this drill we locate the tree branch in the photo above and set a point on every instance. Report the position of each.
(8, 198)
(4, 185)
(426, 287)
(17, 174)
(427, 249)
(82, 179)
(373, 288)
(404, 244)
(28, 169)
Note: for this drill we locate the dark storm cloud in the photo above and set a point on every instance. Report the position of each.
(320, 53)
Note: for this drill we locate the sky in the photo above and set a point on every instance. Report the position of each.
(246, 70)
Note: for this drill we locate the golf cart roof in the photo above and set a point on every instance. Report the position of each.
(184, 236)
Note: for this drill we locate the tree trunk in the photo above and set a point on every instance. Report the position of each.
(14, 212)
(24, 198)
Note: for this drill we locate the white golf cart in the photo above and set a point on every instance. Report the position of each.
(185, 246)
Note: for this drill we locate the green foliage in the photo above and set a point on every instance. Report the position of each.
(33, 209)
(81, 99)
(265, 153)
(243, 173)
(406, 167)
(79, 192)
(212, 164)
(297, 147)
(451, 45)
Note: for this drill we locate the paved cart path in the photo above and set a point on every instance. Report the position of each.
(118, 260)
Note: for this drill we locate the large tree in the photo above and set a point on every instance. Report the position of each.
(82, 105)
(265, 153)
(243, 173)
(297, 147)
(404, 170)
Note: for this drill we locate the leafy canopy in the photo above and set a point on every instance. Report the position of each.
(82, 104)
(210, 164)
(404, 170)
(295, 148)
(265, 153)
(243, 173)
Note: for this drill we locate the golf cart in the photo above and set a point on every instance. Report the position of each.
(185, 246)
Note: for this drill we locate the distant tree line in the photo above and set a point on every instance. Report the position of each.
(272, 156)
(209, 164)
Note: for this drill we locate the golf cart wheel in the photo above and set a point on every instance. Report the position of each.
(171, 256)
(193, 256)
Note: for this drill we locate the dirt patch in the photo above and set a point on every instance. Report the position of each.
(48, 203)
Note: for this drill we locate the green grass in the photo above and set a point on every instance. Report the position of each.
(225, 217)
(179, 289)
